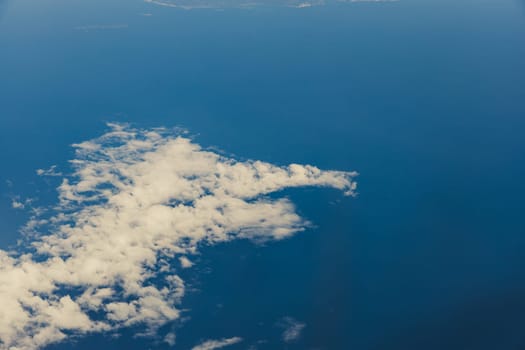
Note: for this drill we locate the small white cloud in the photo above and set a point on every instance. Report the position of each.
(292, 329)
(302, 5)
(217, 344)
(185, 262)
(17, 205)
(170, 339)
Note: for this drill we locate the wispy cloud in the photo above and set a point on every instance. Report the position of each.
(247, 4)
(51, 171)
(250, 4)
(137, 201)
(170, 338)
(217, 344)
(292, 329)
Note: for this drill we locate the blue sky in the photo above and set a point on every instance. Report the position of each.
(424, 100)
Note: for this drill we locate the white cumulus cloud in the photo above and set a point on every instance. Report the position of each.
(136, 205)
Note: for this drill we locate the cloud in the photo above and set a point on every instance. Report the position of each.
(17, 204)
(217, 344)
(247, 4)
(49, 172)
(185, 262)
(170, 339)
(136, 202)
(292, 329)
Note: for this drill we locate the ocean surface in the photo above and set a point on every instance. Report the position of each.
(425, 99)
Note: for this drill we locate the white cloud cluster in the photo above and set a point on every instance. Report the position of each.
(138, 201)
(217, 344)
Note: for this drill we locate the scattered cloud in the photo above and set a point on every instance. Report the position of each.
(136, 201)
(217, 344)
(48, 172)
(292, 329)
(18, 203)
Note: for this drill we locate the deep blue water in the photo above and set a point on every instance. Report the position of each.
(426, 99)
